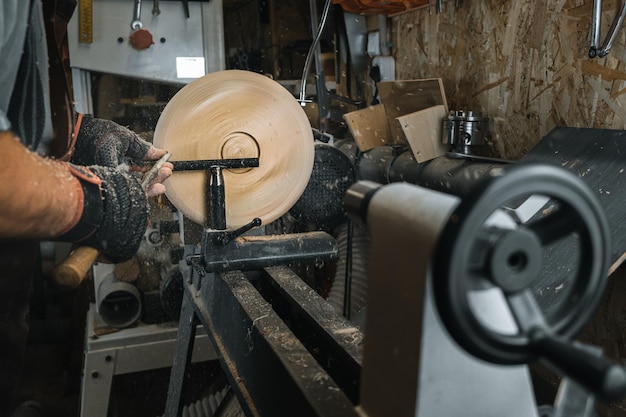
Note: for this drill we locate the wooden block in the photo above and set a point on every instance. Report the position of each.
(404, 97)
(423, 132)
(369, 127)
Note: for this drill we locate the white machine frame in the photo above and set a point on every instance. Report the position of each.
(140, 348)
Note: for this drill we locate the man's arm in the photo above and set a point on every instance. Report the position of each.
(102, 207)
(39, 197)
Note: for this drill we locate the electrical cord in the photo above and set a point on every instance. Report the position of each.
(309, 57)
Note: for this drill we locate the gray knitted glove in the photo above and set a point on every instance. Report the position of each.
(104, 142)
(115, 212)
(125, 214)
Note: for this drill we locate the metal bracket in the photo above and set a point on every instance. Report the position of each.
(595, 49)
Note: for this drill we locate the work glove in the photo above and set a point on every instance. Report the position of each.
(104, 142)
(114, 215)
(109, 153)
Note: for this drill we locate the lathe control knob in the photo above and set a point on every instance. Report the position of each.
(141, 39)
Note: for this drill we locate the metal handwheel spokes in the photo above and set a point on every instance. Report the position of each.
(477, 255)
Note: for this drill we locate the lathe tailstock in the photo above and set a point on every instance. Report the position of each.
(452, 293)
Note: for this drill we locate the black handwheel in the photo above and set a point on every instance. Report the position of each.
(476, 253)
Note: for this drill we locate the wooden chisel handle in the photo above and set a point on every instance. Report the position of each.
(70, 272)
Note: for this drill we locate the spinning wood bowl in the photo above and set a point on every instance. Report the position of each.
(238, 114)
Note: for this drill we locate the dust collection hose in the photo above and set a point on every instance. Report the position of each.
(353, 256)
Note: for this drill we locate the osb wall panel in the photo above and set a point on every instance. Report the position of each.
(523, 64)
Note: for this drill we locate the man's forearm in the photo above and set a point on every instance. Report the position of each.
(39, 197)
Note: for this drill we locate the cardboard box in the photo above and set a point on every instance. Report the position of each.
(411, 113)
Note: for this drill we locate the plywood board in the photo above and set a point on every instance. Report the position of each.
(369, 127)
(404, 97)
(423, 132)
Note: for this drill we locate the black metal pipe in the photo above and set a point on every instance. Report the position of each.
(450, 173)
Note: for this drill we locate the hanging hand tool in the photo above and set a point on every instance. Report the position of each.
(186, 8)
(155, 8)
(136, 22)
(594, 48)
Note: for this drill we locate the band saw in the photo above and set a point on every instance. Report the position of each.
(243, 152)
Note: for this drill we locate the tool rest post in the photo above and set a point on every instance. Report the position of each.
(216, 199)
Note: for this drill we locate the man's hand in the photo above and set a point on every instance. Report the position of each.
(124, 214)
(111, 152)
(105, 143)
(156, 187)
(103, 207)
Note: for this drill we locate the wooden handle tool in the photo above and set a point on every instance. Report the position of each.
(71, 271)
